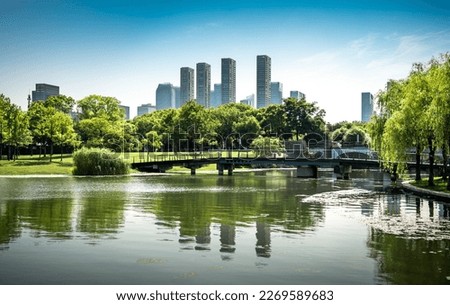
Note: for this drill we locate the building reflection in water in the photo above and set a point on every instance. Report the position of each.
(227, 241)
(203, 238)
(262, 239)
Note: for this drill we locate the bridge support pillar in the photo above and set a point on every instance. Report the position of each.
(192, 171)
(343, 171)
(230, 171)
(220, 169)
(307, 172)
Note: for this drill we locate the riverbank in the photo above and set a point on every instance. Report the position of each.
(42, 166)
(438, 192)
(37, 166)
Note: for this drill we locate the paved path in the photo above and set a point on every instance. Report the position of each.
(424, 192)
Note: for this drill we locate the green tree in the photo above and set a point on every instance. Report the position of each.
(102, 124)
(273, 121)
(61, 132)
(196, 126)
(61, 103)
(303, 117)
(17, 132)
(4, 104)
(439, 79)
(266, 146)
(228, 118)
(96, 106)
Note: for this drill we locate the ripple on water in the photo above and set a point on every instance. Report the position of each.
(392, 214)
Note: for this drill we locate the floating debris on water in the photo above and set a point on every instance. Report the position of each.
(186, 275)
(150, 261)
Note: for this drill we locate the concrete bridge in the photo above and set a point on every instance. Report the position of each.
(227, 161)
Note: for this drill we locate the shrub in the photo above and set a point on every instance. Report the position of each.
(96, 161)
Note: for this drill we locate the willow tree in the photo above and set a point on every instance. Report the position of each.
(416, 111)
(439, 78)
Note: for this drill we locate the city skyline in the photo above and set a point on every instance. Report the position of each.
(332, 53)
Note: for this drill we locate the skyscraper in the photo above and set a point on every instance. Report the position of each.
(186, 85)
(366, 106)
(204, 84)
(263, 78)
(216, 96)
(276, 93)
(228, 80)
(43, 91)
(165, 96)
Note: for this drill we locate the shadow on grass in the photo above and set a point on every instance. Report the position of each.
(29, 163)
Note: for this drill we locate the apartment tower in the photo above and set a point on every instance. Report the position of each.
(263, 79)
(204, 84)
(186, 85)
(228, 80)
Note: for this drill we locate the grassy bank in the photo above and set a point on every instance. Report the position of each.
(35, 165)
(27, 165)
(440, 185)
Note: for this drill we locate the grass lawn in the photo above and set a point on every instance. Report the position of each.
(33, 165)
(441, 185)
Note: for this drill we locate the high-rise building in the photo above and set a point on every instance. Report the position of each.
(186, 85)
(204, 84)
(228, 80)
(165, 96)
(366, 106)
(145, 108)
(216, 96)
(177, 97)
(276, 94)
(126, 111)
(263, 78)
(43, 91)
(297, 95)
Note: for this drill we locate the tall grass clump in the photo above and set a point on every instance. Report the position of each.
(98, 161)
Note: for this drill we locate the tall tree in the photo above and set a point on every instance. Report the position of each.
(303, 117)
(102, 123)
(4, 104)
(439, 79)
(17, 132)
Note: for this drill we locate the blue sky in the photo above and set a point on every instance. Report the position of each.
(330, 50)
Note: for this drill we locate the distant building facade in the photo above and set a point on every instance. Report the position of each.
(249, 100)
(263, 80)
(204, 84)
(297, 95)
(216, 96)
(186, 85)
(177, 97)
(145, 108)
(366, 106)
(276, 94)
(43, 91)
(126, 111)
(165, 96)
(228, 80)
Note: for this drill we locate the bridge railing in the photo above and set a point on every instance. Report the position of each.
(313, 154)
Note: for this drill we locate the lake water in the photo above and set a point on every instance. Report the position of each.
(263, 227)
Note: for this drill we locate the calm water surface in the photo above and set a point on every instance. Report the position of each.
(251, 228)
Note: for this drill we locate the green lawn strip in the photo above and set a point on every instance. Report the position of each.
(440, 185)
(35, 167)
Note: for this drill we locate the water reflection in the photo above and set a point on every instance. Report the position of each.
(409, 260)
(256, 219)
